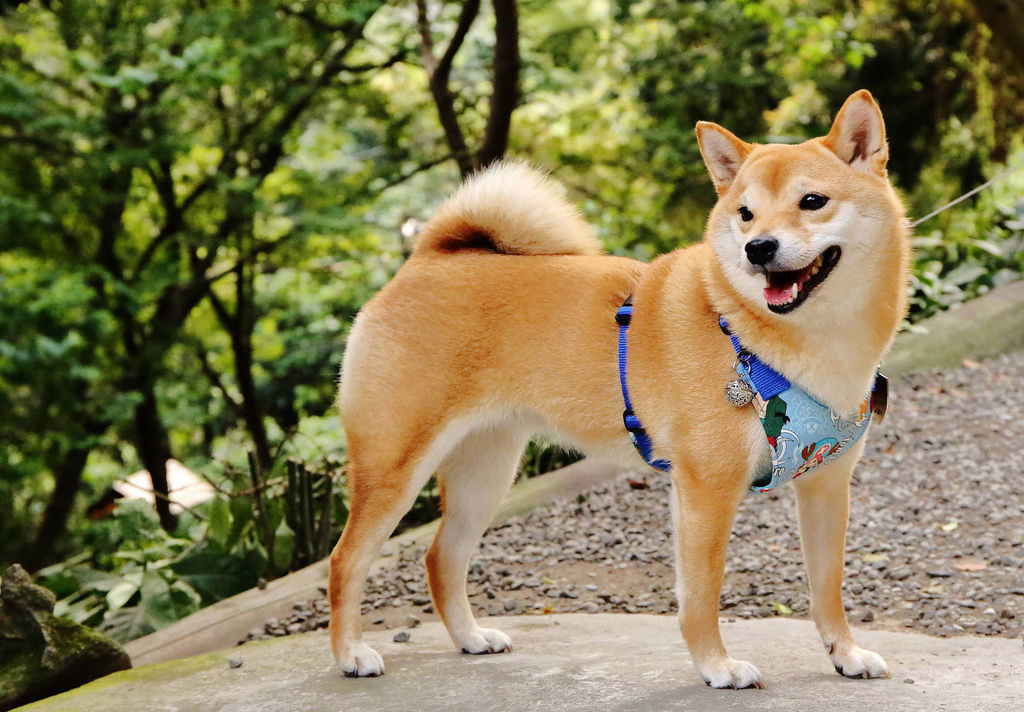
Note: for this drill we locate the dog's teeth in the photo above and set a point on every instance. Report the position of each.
(795, 291)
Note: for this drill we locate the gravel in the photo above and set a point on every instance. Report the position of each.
(935, 544)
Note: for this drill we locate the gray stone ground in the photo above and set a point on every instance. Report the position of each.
(634, 663)
(936, 540)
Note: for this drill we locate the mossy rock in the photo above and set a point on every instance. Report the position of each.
(41, 654)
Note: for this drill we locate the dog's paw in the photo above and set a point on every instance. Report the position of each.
(485, 640)
(859, 663)
(361, 661)
(727, 673)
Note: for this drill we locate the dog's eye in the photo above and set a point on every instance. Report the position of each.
(745, 214)
(813, 201)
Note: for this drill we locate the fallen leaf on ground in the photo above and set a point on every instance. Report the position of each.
(950, 525)
(971, 565)
(974, 365)
(871, 558)
(782, 608)
(638, 484)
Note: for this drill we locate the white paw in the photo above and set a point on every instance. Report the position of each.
(729, 673)
(361, 660)
(485, 640)
(858, 662)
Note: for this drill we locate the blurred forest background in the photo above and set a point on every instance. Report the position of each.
(196, 198)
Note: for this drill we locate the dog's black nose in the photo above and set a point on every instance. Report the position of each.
(761, 250)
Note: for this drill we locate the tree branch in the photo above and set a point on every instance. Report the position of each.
(402, 177)
(505, 82)
(213, 377)
(439, 73)
(426, 37)
(164, 184)
(391, 61)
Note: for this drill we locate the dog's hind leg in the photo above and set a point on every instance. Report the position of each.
(823, 505)
(381, 490)
(474, 478)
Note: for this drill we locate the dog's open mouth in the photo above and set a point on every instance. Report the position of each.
(788, 290)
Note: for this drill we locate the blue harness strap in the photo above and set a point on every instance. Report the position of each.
(768, 382)
(801, 433)
(641, 440)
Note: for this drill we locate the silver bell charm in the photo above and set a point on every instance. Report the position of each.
(738, 392)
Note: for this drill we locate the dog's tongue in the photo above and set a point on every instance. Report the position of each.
(783, 286)
(777, 295)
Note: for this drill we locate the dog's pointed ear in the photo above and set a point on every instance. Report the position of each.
(723, 153)
(858, 134)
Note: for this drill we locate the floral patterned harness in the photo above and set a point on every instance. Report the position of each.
(802, 432)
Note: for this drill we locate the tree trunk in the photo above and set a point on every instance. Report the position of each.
(67, 475)
(504, 80)
(241, 346)
(154, 450)
(1006, 20)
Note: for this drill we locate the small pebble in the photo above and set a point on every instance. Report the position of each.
(402, 636)
(234, 663)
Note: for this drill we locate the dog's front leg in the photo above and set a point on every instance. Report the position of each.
(704, 513)
(823, 505)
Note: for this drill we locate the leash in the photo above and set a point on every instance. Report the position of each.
(997, 177)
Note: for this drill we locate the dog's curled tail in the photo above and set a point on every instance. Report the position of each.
(510, 208)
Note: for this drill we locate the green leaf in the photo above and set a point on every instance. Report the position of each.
(965, 273)
(241, 515)
(120, 594)
(218, 526)
(166, 603)
(988, 246)
(216, 575)
(284, 546)
(126, 624)
(782, 609)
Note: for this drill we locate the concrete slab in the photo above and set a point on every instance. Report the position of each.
(225, 623)
(593, 662)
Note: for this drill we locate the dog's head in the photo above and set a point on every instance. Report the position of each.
(799, 227)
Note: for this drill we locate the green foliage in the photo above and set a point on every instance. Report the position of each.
(136, 588)
(197, 198)
(970, 249)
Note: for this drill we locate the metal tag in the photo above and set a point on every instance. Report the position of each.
(738, 392)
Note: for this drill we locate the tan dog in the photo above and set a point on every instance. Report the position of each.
(502, 325)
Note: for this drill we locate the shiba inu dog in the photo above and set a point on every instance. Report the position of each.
(502, 324)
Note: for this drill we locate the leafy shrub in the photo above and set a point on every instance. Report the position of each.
(982, 248)
(151, 578)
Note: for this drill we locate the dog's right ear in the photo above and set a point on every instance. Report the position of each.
(723, 153)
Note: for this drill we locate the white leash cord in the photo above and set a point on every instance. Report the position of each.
(999, 176)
